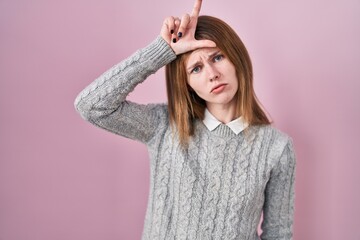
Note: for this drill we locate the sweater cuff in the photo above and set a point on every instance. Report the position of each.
(159, 53)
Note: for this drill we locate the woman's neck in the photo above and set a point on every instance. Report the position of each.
(225, 113)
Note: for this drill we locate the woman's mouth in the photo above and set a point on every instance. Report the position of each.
(218, 88)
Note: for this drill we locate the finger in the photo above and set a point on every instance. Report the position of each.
(177, 23)
(203, 44)
(196, 9)
(170, 22)
(184, 23)
(168, 28)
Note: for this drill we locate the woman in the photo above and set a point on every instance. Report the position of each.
(216, 162)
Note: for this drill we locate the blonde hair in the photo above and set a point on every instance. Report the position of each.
(185, 106)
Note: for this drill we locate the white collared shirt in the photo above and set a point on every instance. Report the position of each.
(236, 125)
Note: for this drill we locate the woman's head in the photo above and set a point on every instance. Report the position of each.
(212, 77)
(183, 102)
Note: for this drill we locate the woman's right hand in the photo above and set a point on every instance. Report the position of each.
(180, 33)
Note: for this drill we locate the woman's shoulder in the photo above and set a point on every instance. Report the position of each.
(274, 141)
(277, 138)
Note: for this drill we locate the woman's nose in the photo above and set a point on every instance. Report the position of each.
(213, 73)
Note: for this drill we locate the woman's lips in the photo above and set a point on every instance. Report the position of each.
(219, 88)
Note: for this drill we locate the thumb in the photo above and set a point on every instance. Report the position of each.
(203, 44)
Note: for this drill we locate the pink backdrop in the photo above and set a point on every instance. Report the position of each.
(61, 178)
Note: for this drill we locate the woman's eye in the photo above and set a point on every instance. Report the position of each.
(195, 70)
(218, 58)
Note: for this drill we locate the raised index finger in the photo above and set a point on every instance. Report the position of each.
(196, 9)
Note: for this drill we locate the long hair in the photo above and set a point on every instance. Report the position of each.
(185, 106)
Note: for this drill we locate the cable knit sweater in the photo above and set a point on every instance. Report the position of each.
(218, 187)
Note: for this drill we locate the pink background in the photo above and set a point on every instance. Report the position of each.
(61, 178)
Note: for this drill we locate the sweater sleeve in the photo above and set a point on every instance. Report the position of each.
(103, 103)
(279, 198)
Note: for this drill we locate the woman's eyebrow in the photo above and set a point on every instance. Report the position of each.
(214, 54)
(210, 56)
(194, 65)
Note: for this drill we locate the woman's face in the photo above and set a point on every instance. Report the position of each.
(212, 76)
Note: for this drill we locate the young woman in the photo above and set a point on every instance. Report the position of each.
(216, 161)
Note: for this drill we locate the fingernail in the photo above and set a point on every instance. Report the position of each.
(174, 40)
(172, 31)
(180, 34)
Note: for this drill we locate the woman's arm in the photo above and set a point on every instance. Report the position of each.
(103, 103)
(279, 198)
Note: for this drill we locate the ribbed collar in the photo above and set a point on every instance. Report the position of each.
(212, 123)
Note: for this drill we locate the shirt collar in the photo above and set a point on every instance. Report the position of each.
(236, 125)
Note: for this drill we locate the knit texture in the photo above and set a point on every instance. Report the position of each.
(216, 188)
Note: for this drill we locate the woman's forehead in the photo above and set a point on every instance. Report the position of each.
(201, 53)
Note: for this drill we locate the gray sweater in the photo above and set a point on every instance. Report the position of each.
(218, 187)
